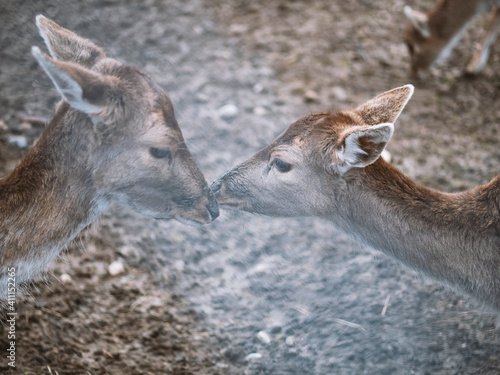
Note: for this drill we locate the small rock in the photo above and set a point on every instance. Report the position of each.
(116, 268)
(3, 126)
(258, 88)
(128, 251)
(290, 341)
(228, 111)
(238, 28)
(179, 265)
(202, 98)
(259, 111)
(264, 337)
(252, 356)
(339, 93)
(66, 279)
(18, 140)
(311, 96)
(261, 268)
(198, 30)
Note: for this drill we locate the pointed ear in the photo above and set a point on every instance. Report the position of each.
(83, 89)
(362, 145)
(386, 107)
(64, 45)
(419, 20)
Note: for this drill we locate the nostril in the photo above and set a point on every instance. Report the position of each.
(215, 187)
(213, 209)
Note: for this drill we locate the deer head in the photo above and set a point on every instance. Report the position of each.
(306, 169)
(118, 127)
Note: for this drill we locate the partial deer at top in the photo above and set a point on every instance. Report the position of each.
(432, 35)
(113, 138)
(328, 165)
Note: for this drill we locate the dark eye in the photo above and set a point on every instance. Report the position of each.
(160, 153)
(282, 166)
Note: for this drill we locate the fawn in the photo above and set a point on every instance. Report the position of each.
(327, 165)
(113, 138)
(431, 36)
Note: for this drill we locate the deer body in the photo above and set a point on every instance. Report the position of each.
(453, 238)
(114, 138)
(328, 165)
(432, 35)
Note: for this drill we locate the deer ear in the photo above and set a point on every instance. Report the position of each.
(361, 146)
(419, 20)
(83, 89)
(386, 107)
(65, 45)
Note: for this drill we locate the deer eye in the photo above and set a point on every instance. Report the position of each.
(160, 153)
(282, 166)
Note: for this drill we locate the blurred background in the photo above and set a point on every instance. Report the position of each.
(249, 294)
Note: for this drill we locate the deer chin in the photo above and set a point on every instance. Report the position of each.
(236, 205)
(196, 217)
(225, 197)
(190, 222)
(226, 201)
(195, 221)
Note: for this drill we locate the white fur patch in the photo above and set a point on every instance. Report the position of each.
(350, 155)
(67, 86)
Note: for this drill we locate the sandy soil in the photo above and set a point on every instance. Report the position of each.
(249, 294)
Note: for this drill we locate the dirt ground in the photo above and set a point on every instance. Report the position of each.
(248, 294)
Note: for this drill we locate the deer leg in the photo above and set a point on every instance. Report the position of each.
(483, 52)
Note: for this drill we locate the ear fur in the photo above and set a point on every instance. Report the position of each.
(419, 20)
(386, 107)
(64, 45)
(82, 88)
(362, 145)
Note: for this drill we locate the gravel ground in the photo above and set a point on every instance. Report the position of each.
(249, 294)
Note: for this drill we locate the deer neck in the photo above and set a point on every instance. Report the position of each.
(448, 22)
(47, 200)
(454, 238)
(450, 17)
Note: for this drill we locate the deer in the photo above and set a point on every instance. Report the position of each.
(328, 165)
(114, 138)
(432, 35)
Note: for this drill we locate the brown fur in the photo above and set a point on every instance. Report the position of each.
(96, 150)
(454, 238)
(444, 22)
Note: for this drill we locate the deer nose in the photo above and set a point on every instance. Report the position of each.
(213, 207)
(215, 187)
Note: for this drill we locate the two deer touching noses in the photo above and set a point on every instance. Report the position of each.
(114, 137)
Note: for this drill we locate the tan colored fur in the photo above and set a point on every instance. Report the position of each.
(431, 35)
(114, 138)
(454, 238)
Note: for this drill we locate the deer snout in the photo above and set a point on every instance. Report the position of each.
(215, 187)
(229, 189)
(218, 187)
(212, 206)
(196, 209)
